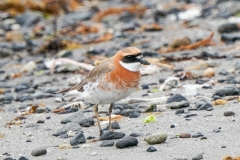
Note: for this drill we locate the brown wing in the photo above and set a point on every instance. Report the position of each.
(96, 73)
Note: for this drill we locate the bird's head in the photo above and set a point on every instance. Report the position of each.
(131, 58)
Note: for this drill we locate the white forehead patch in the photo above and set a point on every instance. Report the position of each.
(134, 67)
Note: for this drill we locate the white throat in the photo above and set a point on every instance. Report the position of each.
(134, 67)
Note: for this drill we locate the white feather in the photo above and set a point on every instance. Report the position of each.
(134, 67)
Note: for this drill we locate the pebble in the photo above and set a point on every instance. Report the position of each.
(226, 91)
(178, 105)
(197, 135)
(156, 138)
(134, 114)
(216, 130)
(114, 125)
(228, 113)
(136, 134)
(198, 157)
(23, 158)
(72, 126)
(76, 118)
(224, 72)
(112, 135)
(201, 105)
(107, 143)
(185, 135)
(78, 139)
(8, 158)
(40, 110)
(179, 111)
(190, 115)
(228, 28)
(41, 121)
(93, 153)
(151, 149)
(127, 142)
(87, 122)
(176, 98)
(39, 151)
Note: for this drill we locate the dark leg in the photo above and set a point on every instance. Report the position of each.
(96, 113)
(109, 114)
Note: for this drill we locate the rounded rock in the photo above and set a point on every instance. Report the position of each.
(228, 113)
(185, 135)
(39, 151)
(107, 143)
(151, 149)
(128, 141)
(156, 138)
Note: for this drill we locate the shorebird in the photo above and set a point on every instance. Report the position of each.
(112, 80)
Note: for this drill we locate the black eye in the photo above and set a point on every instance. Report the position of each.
(130, 57)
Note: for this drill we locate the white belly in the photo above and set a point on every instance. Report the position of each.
(93, 94)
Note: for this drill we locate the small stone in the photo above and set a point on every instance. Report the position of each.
(228, 28)
(151, 149)
(68, 127)
(40, 110)
(58, 99)
(178, 105)
(224, 146)
(224, 72)
(77, 139)
(40, 121)
(134, 114)
(198, 157)
(156, 138)
(176, 98)
(197, 135)
(179, 111)
(114, 125)
(23, 158)
(216, 130)
(202, 105)
(86, 122)
(185, 135)
(76, 117)
(227, 91)
(107, 143)
(127, 142)
(228, 113)
(8, 158)
(172, 126)
(135, 134)
(190, 115)
(39, 151)
(112, 135)
(116, 111)
(93, 153)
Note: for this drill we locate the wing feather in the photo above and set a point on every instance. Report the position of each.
(95, 74)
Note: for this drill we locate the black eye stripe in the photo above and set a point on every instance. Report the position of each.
(132, 58)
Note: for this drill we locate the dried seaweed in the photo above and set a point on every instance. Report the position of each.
(137, 9)
(204, 42)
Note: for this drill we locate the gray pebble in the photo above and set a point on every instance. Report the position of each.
(151, 149)
(198, 157)
(127, 142)
(68, 127)
(107, 143)
(77, 139)
(39, 151)
(112, 135)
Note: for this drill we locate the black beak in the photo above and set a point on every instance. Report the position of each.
(145, 62)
